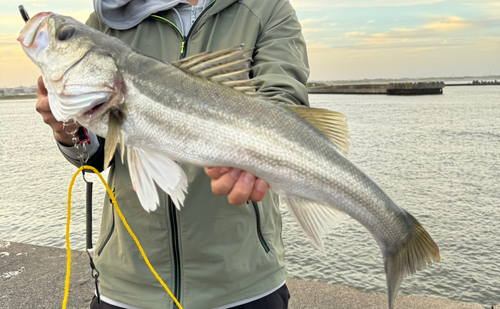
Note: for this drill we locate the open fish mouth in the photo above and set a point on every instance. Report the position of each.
(94, 112)
(84, 107)
(93, 109)
(99, 106)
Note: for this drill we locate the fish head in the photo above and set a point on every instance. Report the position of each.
(81, 77)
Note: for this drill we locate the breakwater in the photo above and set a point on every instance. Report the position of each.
(388, 89)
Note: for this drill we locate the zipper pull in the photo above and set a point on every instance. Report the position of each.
(183, 44)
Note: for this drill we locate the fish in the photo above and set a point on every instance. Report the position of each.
(205, 111)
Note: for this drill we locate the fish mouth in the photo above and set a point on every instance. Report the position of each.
(98, 107)
(94, 110)
(83, 107)
(32, 28)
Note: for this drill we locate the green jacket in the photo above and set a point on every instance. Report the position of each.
(210, 253)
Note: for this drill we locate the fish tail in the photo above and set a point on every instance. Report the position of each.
(414, 256)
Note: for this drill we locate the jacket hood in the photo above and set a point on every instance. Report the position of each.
(126, 14)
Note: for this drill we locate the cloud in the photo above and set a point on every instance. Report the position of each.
(448, 24)
(81, 15)
(12, 19)
(312, 30)
(315, 25)
(9, 40)
(419, 49)
(33, 2)
(438, 34)
(309, 21)
(428, 31)
(354, 34)
(315, 5)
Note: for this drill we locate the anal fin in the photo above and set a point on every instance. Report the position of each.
(147, 167)
(314, 219)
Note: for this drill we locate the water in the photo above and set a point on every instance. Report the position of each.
(436, 156)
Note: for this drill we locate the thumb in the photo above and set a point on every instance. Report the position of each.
(41, 87)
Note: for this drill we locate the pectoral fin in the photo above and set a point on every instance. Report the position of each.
(314, 219)
(114, 134)
(147, 167)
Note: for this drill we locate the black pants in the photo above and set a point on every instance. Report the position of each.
(275, 300)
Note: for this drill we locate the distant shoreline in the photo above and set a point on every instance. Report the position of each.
(309, 88)
(456, 85)
(18, 97)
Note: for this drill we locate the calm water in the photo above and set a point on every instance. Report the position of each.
(436, 156)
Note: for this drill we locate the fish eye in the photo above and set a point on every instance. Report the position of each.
(66, 33)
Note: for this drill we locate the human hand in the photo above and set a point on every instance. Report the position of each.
(43, 107)
(239, 186)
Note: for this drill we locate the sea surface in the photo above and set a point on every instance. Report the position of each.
(436, 156)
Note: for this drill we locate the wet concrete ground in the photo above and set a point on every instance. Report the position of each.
(33, 277)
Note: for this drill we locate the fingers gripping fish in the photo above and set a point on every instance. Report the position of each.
(142, 105)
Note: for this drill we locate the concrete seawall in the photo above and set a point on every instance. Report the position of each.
(349, 89)
(424, 88)
(33, 277)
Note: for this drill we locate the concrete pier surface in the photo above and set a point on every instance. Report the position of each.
(33, 277)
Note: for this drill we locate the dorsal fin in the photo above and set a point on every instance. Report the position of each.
(189, 59)
(229, 67)
(332, 124)
(224, 59)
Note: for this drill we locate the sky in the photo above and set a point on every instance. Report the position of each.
(346, 39)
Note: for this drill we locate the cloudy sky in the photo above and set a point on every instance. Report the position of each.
(348, 39)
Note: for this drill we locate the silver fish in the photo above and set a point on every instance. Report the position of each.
(204, 111)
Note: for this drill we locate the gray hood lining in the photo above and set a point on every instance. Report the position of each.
(126, 14)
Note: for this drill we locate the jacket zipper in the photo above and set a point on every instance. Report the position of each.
(259, 232)
(185, 39)
(112, 228)
(173, 25)
(173, 215)
(176, 251)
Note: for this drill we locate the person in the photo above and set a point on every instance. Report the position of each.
(211, 255)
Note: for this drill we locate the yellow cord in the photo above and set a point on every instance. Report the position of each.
(115, 204)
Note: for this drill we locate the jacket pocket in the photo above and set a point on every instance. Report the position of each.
(259, 231)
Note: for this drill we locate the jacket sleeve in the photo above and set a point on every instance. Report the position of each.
(96, 160)
(280, 67)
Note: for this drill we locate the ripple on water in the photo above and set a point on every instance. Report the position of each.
(436, 156)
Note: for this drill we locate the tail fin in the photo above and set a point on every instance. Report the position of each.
(418, 252)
